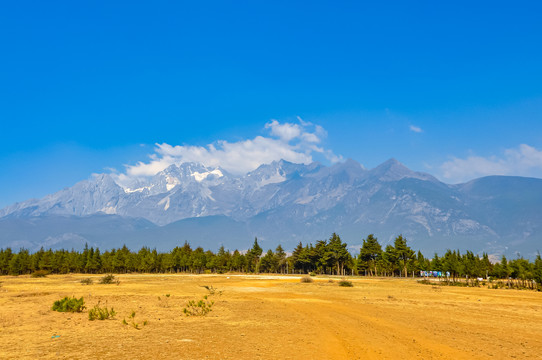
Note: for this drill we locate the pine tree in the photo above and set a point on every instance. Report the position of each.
(404, 253)
(269, 262)
(452, 263)
(389, 259)
(198, 260)
(238, 261)
(339, 251)
(421, 262)
(15, 265)
(370, 253)
(296, 255)
(280, 254)
(253, 255)
(223, 259)
(505, 270)
(436, 263)
(5, 258)
(537, 271)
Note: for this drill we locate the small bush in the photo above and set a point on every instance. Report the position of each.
(164, 301)
(212, 290)
(132, 322)
(312, 274)
(425, 282)
(87, 281)
(200, 308)
(109, 279)
(69, 305)
(40, 273)
(346, 283)
(306, 279)
(101, 313)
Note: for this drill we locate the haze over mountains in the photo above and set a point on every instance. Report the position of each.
(285, 203)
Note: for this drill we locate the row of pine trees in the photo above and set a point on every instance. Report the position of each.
(324, 257)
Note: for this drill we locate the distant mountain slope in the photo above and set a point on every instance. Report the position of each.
(68, 232)
(287, 203)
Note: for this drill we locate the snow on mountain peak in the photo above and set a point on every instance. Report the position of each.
(274, 178)
(199, 177)
(141, 189)
(171, 182)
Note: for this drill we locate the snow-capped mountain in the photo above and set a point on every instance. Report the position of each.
(287, 203)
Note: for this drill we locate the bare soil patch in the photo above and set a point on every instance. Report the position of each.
(268, 317)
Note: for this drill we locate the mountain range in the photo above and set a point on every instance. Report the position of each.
(284, 203)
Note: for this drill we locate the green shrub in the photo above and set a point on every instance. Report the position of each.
(132, 322)
(109, 279)
(164, 301)
(40, 273)
(200, 308)
(87, 281)
(306, 279)
(425, 282)
(203, 306)
(101, 313)
(346, 283)
(69, 305)
(212, 290)
(312, 274)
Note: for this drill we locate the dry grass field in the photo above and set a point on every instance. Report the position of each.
(268, 317)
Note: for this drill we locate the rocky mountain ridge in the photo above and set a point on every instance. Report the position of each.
(287, 203)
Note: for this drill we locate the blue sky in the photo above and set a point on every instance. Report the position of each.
(453, 89)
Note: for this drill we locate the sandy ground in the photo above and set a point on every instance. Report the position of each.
(269, 317)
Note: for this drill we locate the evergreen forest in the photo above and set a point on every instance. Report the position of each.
(324, 257)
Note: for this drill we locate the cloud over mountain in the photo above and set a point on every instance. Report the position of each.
(295, 142)
(522, 161)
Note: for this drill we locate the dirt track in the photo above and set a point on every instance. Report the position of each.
(269, 318)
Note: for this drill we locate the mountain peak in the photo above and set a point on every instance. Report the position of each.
(285, 200)
(103, 178)
(351, 163)
(393, 162)
(393, 170)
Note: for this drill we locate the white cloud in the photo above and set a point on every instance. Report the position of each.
(295, 142)
(416, 129)
(285, 131)
(522, 161)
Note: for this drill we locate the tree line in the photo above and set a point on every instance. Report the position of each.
(329, 256)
